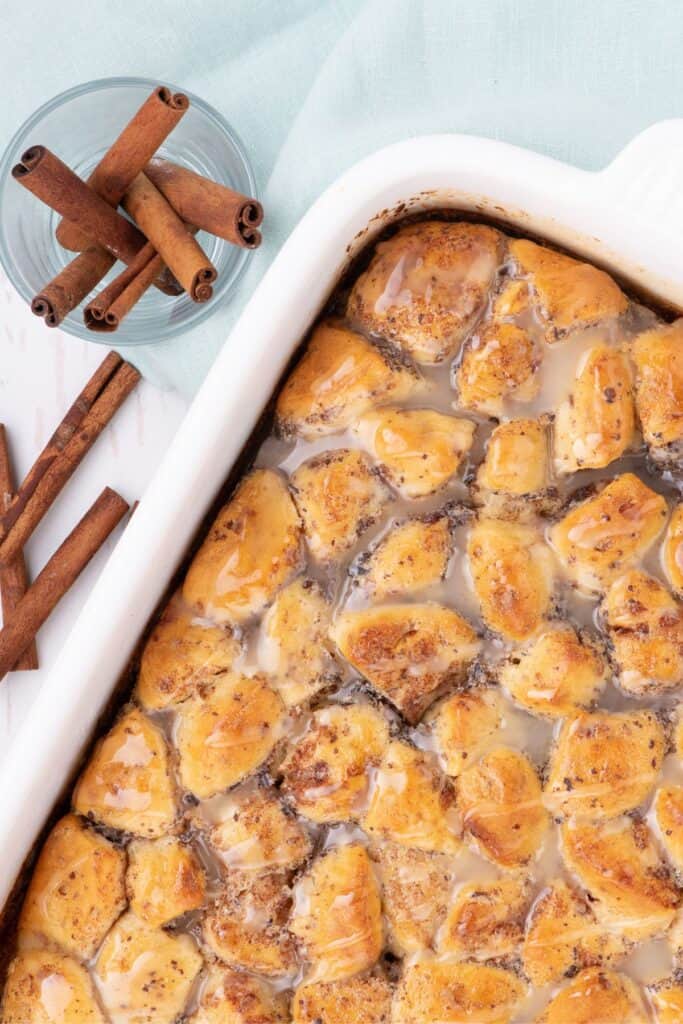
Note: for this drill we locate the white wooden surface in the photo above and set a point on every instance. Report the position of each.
(41, 372)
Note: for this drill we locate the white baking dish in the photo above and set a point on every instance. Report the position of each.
(628, 217)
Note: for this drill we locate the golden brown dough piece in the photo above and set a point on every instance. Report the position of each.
(645, 626)
(415, 893)
(516, 460)
(419, 450)
(629, 885)
(76, 893)
(411, 653)
(292, 643)
(412, 803)
(246, 926)
(456, 992)
(426, 286)
(597, 423)
(252, 549)
(326, 773)
(563, 937)
(513, 300)
(500, 362)
(557, 673)
(410, 557)
(226, 732)
(340, 376)
(569, 294)
(337, 914)
(501, 802)
(658, 358)
(464, 726)
(486, 919)
(596, 996)
(512, 572)
(164, 880)
(232, 997)
(255, 833)
(145, 975)
(604, 763)
(48, 988)
(127, 783)
(668, 814)
(672, 550)
(339, 495)
(181, 654)
(667, 1002)
(602, 537)
(352, 1001)
(513, 481)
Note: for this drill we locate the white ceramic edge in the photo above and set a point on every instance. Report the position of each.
(628, 216)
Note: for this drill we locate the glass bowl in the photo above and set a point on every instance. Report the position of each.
(79, 125)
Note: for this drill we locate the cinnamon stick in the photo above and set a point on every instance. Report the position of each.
(22, 517)
(212, 207)
(62, 570)
(132, 294)
(127, 156)
(95, 313)
(48, 178)
(13, 577)
(60, 438)
(68, 289)
(106, 311)
(171, 238)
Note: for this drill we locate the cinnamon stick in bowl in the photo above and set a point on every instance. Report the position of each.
(48, 178)
(171, 238)
(97, 307)
(105, 312)
(132, 293)
(51, 181)
(62, 570)
(68, 289)
(212, 207)
(128, 155)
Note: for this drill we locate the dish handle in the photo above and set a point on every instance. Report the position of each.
(647, 175)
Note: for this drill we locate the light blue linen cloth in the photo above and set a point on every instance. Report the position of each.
(313, 85)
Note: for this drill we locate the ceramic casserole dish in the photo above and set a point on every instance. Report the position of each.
(626, 219)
